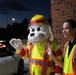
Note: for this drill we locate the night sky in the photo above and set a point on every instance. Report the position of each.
(20, 9)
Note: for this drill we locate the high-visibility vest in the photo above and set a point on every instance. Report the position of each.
(40, 62)
(70, 61)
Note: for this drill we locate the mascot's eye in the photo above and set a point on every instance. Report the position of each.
(38, 29)
(33, 30)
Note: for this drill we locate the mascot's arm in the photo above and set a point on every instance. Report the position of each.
(24, 52)
(17, 44)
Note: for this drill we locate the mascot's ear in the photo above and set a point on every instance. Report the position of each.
(51, 37)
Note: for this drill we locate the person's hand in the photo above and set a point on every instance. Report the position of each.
(16, 43)
(49, 50)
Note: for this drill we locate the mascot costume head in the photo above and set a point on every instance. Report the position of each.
(39, 29)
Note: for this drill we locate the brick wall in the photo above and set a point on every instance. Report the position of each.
(60, 11)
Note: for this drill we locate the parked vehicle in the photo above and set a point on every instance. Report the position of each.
(10, 63)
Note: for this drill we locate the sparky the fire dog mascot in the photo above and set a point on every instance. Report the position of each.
(40, 35)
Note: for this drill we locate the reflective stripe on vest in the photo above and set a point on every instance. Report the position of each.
(45, 65)
(42, 63)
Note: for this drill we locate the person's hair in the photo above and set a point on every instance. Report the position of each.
(71, 22)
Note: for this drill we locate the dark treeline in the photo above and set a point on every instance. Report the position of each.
(16, 30)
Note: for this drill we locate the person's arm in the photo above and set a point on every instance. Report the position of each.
(56, 60)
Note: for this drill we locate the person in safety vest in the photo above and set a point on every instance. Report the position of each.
(39, 37)
(69, 31)
(69, 52)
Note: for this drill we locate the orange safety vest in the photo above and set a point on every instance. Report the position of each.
(70, 61)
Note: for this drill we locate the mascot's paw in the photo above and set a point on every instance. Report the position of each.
(16, 43)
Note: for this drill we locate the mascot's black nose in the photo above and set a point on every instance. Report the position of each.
(32, 34)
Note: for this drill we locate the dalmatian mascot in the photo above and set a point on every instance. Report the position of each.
(40, 35)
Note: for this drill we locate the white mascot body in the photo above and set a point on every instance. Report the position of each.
(40, 35)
